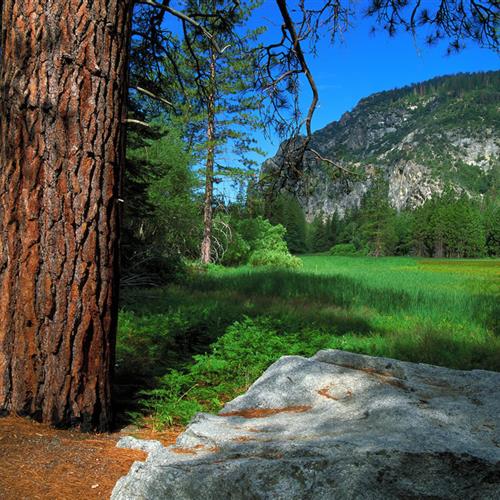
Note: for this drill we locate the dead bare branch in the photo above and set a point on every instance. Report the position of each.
(186, 19)
(137, 122)
(154, 96)
(331, 162)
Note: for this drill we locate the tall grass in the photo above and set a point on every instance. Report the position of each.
(439, 312)
(397, 288)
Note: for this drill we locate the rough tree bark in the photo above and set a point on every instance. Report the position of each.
(206, 244)
(62, 94)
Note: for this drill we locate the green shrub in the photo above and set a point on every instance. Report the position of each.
(274, 258)
(171, 403)
(270, 238)
(237, 252)
(270, 248)
(345, 249)
(256, 241)
(235, 361)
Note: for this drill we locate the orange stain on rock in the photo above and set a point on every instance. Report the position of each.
(325, 392)
(265, 412)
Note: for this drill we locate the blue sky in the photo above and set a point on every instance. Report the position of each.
(364, 63)
(360, 64)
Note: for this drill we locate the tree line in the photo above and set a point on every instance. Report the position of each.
(448, 225)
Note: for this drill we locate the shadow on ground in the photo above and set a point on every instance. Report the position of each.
(161, 329)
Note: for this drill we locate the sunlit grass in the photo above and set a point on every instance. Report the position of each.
(437, 312)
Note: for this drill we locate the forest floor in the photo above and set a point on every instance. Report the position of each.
(39, 462)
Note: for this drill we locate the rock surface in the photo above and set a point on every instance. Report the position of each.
(337, 425)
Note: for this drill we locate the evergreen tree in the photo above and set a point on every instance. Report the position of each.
(491, 224)
(332, 230)
(295, 225)
(318, 234)
(221, 106)
(286, 210)
(449, 227)
(421, 230)
(403, 223)
(161, 222)
(377, 222)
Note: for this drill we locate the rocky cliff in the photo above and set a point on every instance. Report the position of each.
(418, 140)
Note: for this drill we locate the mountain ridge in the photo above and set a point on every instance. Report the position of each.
(420, 140)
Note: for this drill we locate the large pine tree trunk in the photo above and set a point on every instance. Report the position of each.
(62, 95)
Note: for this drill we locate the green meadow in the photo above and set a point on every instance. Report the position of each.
(192, 346)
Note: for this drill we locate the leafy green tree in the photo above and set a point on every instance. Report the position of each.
(258, 242)
(270, 248)
(161, 222)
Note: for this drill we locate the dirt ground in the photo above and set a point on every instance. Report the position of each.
(38, 462)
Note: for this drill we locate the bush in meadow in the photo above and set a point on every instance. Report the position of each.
(344, 249)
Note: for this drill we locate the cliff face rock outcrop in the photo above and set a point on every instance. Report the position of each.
(337, 425)
(418, 140)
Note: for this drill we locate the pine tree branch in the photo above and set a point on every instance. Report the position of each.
(284, 75)
(187, 19)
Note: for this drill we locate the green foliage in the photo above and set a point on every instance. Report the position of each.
(161, 223)
(218, 88)
(269, 248)
(147, 344)
(345, 249)
(240, 356)
(171, 402)
(269, 237)
(258, 242)
(491, 223)
(286, 210)
(320, 237)
(376, 222)
(274, 258)
(238, 250)
(402, 227)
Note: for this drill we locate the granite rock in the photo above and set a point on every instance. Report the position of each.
(337, 425)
